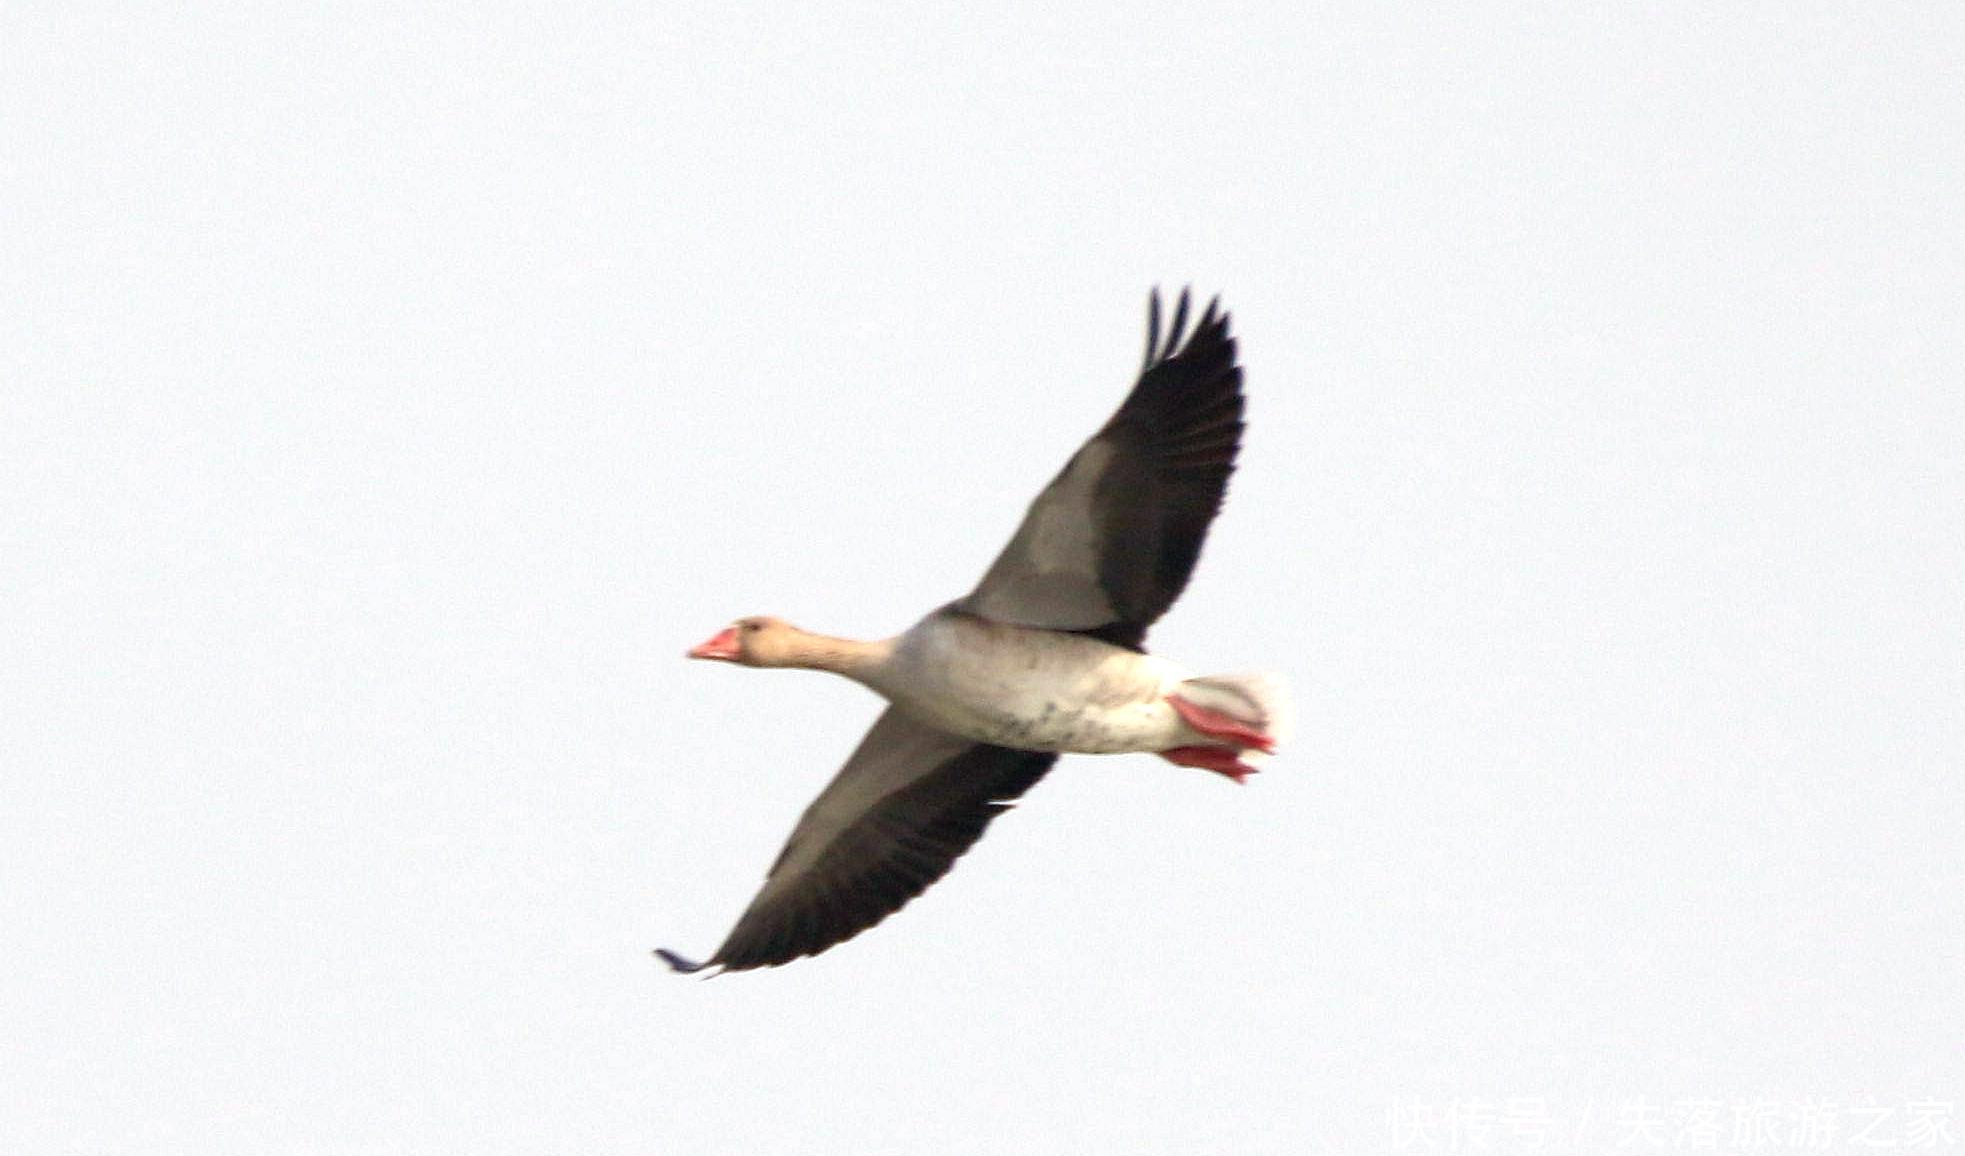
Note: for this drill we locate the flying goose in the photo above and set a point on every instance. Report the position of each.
(1043, 657)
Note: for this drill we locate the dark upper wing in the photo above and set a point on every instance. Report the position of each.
(906, 805)
(1109, 544)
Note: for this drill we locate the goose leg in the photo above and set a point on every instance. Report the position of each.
(1221, 760)
(1216, 725)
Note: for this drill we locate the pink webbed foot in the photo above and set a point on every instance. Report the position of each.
(1216, 725)
(1221, 760)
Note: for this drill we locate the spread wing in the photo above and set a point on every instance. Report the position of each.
(1110, 543)
(906, 805)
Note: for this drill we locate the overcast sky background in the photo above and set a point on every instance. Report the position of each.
(387, 398)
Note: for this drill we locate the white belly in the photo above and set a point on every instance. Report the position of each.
(1032, 689)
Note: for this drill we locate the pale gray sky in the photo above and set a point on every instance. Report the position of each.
(390, 397)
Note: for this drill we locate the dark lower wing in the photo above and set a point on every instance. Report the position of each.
(906, 805)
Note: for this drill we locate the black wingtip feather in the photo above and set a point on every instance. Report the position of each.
(1164, 344)
(680, 964)
(1178, 329)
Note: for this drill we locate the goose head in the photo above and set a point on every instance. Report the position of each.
(759, 640)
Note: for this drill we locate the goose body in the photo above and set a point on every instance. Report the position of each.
(1036, 690)
(1044, 657)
